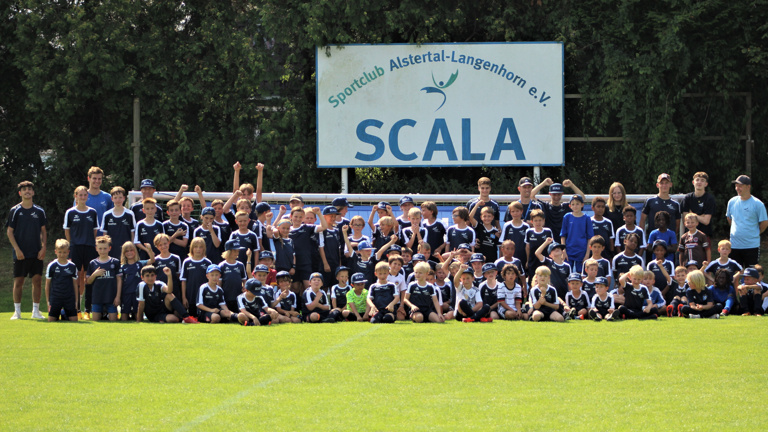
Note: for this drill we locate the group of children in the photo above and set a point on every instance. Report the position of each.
(240, 263)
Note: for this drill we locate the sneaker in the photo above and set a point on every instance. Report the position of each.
(37, 315)
(715, 316)
(746, 314)
(329, 320)
(680, 310)
(694, 316)
(247, 323)
(724, 312)
(670, 310)
(486, 319)
(597, 318)
(609, 317)
(191, 320)
(467, 320)
(86, 316)
(15, 316)
(79, 316)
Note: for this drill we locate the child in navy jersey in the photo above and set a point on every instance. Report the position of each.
(105, 277)
(61, 284)
(130, 267)
(81, 224)
(118, 222)
(147, 228)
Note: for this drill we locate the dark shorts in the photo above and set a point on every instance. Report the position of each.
(28, 267)
(104, 308)
(425, 312)
(233, 306)
(81, 255)
(159, 317)
(745, 257)
(547, 311)
(323, 315)
(302, 274)
(129, 304)
(58, 304)
(204, 316)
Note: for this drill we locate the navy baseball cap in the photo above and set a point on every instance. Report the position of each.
(341, 202)
(692, 263)
(330, 210)
(253, 286)
(265, 254)
(148, 183)
(751, 272)
(296, 197)
(555, 188)
(600, 280)
(659, 243)
(406, 200)
(554, 246)
(364, 245)
(477, 257)
(262, 207)
(577, 197)
(743, 180)
(419, 257)
(395, 248)
(231, 245)
(358, 278)
(208, 211)
(574, 277)
(342, 268)
(261, 268)
(469, 271)
(464, 246)
(213, 268)
(663, 176)
(489, 267)
(525, 181)
(282, 274)
(316, 275)
(382, 205)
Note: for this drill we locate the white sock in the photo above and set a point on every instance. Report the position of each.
(17, 306)
(35, 307)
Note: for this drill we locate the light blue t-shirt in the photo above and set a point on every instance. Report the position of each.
(745, 216)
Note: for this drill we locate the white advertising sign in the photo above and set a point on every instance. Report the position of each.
(440, 105)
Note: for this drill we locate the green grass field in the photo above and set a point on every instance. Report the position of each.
(667, 374)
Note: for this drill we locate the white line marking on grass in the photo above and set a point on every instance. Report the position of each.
(228, 403)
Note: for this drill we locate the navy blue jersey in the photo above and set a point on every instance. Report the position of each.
(225, 231)
(446, 292)
(489, 294)
(131, 276)
(699, 297)
(517, 235)
(382, 294)
(554, 214)
(255, 306)
(193, 273)
(403, 221)
(81, 225)
(192, 223)
(153, 298)
(367, 268)
(379, 239)
(232, 278)
(621, 234)
(588, 287)
(501, 262)
(170, 228)
(247, 241)
(340, 294)
(105, 286)
(406, 234)
(559, 276)
(422, 296)
(703, 205)
(490, 203)
(284, 254)
(27, 225)
(435, 234)
(120, 228)
(172, 262)
(332, 244)
(288, 303)
(211, 251)
(655, 205)
(622, 263)
(457, 236)
(61, 277)
(487, 241)
(145, 233)
(268, 294)
(636, 299)
(604, 268)
(212, 298)
(550, 295)
(478, 281)
(676, 290)
(660, 281)
(603, 304)
(302, 245)
(604, 229)
(534, 239)
(732, 266)
(138, 211)
(309, 297)
(577, 302)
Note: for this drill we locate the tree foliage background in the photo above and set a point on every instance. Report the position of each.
(234, 80)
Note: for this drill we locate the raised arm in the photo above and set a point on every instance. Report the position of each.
(259, 180)
(546, 182)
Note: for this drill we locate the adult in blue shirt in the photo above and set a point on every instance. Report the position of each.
(748, 219)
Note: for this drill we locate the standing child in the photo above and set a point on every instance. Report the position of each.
(331, 245)
(602, 302)
(694, 244)
(130, 267)
(383, 296)
(192, 274)
(701, 203)
(601, 225)
(625, 260)
(81, 224)
(316, 305)
(596, 248)
(301, 234)
(661, 202)
(486, 233)
(233, 275)
(560, 270)
(577, 303)
(435, 229)
(406, 204)
(165, 259)
(211, 306)
(105, 277)
(514, 230)
(360, 261)
(459, 232)
(147, 228)
(147, 188)
(663, 269)
(484, 187)
(544, 300)
(589, 279)
(27, 232)
(285, 257)
(252, 307)
(535, 237)
(724, 261)
(118, 223)
(421, 297)
(61, 284)
(156, 300)
(629, 227)
(510, 293)
(210, 233)
(575, 234)
(701, 303)
(176, 230)
(661, 232)
(355, 232)
(245, 238)
(414, 234)
(356, 298)
(555, 209)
